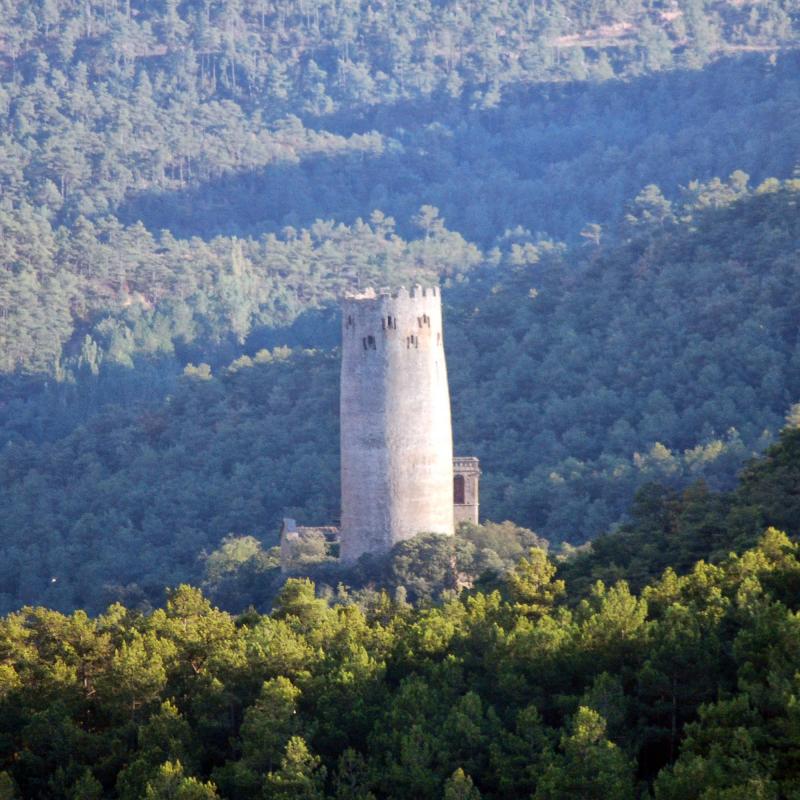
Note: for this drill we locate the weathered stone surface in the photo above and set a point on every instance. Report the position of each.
(396, 437)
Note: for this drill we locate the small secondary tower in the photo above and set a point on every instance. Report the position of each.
(396, 436)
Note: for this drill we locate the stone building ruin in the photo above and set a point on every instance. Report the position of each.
(466, 474)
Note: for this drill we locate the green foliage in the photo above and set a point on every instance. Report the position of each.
(172, 784)
(588, 765)
(428, 566)
(351, 780)
(8, 791)
(268, 724)
(186, 187)
(492, 548)
(530, 583)
(686, 689)
(300, 777)
(240, 572)
(107, 103)
(424, 565)
(675, 529)
(155, 424)
(87, 788)
(561, 455)
(459, 786)
(592, 413)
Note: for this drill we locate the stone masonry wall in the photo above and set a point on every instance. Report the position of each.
(396, 436)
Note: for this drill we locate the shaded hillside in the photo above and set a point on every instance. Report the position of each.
(550, 158)
(674, 356)
(102, 295)
(670, 528)
(174, 114)
(575, 378)
(201, 120)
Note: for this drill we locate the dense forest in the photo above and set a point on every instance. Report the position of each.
(576, 375)
(546, 683)
(276, 151)
(607, 192)
(186, 188)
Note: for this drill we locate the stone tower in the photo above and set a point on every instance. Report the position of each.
(396, 438)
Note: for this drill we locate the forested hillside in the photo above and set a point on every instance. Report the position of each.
(672, 356)
(576, 377)
(236, 120)
(186, 187)
(322, 56)
(685, 689)
(607, 192)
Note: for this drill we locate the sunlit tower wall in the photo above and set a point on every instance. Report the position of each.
(396, 437)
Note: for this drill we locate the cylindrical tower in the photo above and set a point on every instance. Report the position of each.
(396, 438)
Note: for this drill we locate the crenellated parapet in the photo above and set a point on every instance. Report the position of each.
(403, 318)
(467, 465)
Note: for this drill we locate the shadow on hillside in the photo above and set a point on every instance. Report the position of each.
(36, 407)
(550, 158)
(318, 328)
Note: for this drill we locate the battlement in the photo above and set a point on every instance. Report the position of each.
(370, 294)
(466, 464)
(372, 316)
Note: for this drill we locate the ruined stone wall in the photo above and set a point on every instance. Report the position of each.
(396, 437)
